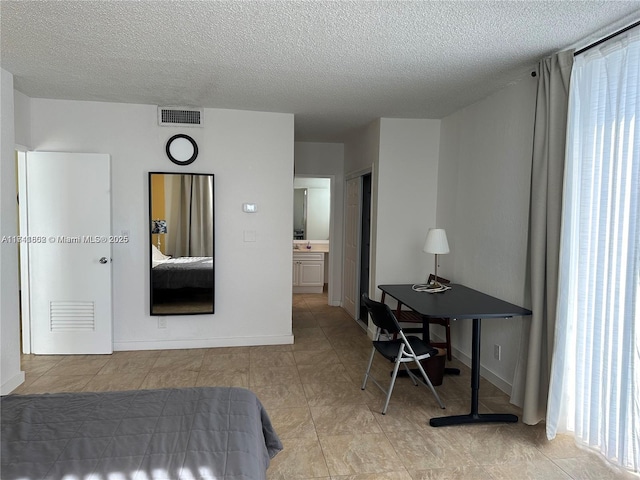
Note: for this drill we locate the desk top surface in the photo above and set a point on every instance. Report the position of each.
(458, 302)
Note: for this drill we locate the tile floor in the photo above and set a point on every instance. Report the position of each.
(329, 427)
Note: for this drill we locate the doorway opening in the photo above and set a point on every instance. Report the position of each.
(365, 243)
(313, 213)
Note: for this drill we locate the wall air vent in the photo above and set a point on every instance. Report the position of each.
(72, 316)
(180, 117)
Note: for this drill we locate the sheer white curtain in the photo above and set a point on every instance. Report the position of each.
(595, 376)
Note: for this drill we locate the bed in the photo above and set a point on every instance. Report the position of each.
(183, 272)
(220, 433)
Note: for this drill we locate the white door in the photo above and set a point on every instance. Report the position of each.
(351, 253)
(68, 202)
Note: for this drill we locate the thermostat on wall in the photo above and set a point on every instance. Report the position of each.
(249, 207)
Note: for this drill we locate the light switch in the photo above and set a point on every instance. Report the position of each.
(249, 235)
(249, 207)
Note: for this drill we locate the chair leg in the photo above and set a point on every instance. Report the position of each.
(429, 384)
(366, 374)
(393, 381)
(447, 329)
(411, 375)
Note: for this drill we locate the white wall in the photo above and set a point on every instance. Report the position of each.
(22, 116)
(483, 203)
(406, 188)
(362, 149)
(10, 374)
(251, 155)
(327, 160)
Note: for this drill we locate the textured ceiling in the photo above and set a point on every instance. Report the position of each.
(336, 65)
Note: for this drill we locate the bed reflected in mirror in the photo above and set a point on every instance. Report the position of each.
(181, 243)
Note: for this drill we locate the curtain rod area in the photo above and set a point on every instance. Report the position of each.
(602, 40)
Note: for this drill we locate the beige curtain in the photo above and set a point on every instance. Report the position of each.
(531, 381)
(194, 217)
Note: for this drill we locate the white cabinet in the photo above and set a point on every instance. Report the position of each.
(308, 272)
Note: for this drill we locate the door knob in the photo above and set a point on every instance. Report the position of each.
(103, 260)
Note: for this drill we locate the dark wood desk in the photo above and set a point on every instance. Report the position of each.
(460, 302)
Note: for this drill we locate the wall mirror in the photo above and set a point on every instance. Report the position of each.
(311, 208)
(299, 213)
(181, 243)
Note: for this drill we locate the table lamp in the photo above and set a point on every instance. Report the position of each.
(437, 244)
(159, 227)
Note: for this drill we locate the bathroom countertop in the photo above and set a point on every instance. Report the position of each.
(315, 248)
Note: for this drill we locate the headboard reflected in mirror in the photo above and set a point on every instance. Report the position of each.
(181, 244)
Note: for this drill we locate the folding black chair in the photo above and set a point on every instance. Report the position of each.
(401, 350)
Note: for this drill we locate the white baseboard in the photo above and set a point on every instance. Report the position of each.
(494, 379)
(203, 343)
(11, 384)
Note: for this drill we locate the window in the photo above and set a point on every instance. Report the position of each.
(595, 380)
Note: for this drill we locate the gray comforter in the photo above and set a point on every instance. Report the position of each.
(191, 433)
(184, 272)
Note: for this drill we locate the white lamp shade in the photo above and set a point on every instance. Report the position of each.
(436, 242)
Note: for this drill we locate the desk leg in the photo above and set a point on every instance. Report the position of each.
(474, 416)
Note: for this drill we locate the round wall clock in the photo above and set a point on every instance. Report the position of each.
(182, 149)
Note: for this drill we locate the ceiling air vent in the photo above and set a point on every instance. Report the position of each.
(179, 117)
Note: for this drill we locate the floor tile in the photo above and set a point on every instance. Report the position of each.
(115, 382)
(273, 375)
(170, 379)
(312, 343)
(332, 372)
(316, 358)
(492, 444)
(344, 419)
(308, 332)
(399, 475)
(399, 419)
(358, 356)
(223, 378)
(301, 458)
(136, 354)
(226, 350)
(427, 448)
(304, 319)
(453, 473)
(128, 364)
(358, 454)
(226, 361)
(330, 428)
(540, 469)
(38, 365)
(293, 422)
(275, 396)
(58, 384)
(271, 358)
(182, 352)
(337, 393)
(264, 350)
(81, 365)
(178, 363)
(592, 467)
